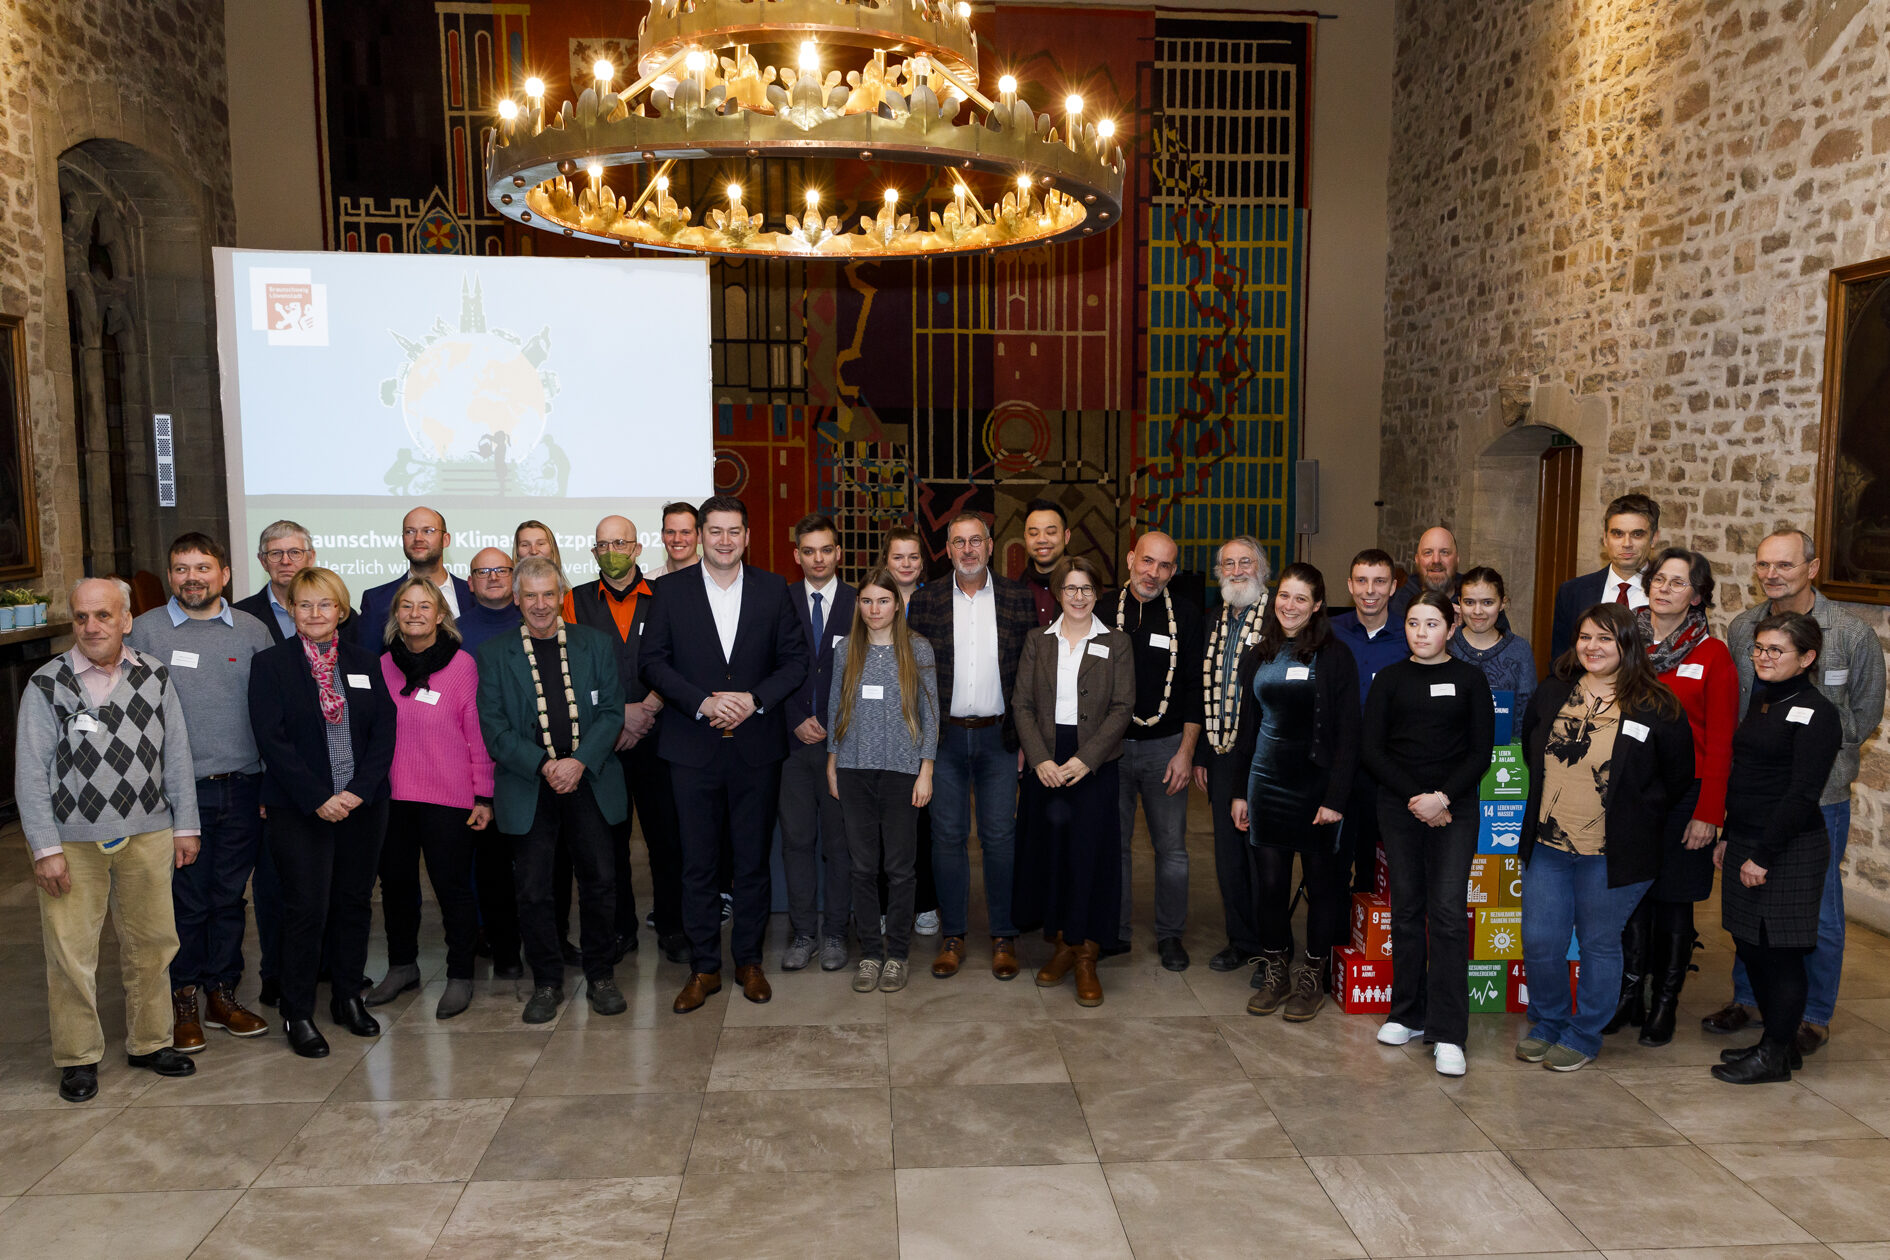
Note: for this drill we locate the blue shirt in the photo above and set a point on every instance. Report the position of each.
(285, 621)
(226, 615)
(1373, 652)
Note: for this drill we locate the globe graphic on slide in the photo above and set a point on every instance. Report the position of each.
(467, 386)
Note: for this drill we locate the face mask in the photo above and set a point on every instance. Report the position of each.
(614, 564)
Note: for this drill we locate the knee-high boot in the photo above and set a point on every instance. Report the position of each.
(1635, 939)
(1672, 959)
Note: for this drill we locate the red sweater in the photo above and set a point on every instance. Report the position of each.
(439, 755)
(1708, 687)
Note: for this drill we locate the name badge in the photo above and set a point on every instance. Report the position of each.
(593, 695)
(872, 691)
(1691, 671)
(641, 627)
(838, 639)
(85, 722)
(427, 697)
(1298, 673)
(1099, 649)
(1836, 677)
(1159, 641)
(1635, 731)
(1800, 715)
(183, 660)
(360, 681)
(1443, 689)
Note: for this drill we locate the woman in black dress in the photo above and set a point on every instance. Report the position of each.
(1774, 851)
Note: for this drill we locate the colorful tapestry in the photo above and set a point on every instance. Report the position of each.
(1144, 378)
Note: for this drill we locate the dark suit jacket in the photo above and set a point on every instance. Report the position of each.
(1573, 598)
(508, 718)
(930, 614)
(1105, 690)
(285, 712)
(683, 663)
(257, 606)
(810, 699)
(590, 607)
(379, 600)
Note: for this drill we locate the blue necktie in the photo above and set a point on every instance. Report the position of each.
(819, 624)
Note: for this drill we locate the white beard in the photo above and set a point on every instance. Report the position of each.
(1242, 593)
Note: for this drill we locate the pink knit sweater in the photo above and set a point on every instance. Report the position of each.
(439, 755)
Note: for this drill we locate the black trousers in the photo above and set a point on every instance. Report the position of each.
(1358, 835)
(1430, 929)
(882, 834)
(441, 834)
(574, 818)
(653, 804)
(924, 886)
(1778, 980)
(726, 797)
(1323, 867)
(327, 871)
(1236, 866)
(497, 894)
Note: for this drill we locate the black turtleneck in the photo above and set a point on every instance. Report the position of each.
(1782, 754)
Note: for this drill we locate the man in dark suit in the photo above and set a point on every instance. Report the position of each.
(1630, 532)
(814, 851)
(976, 624)
(285, 549)
(725, 650)
(423, 538)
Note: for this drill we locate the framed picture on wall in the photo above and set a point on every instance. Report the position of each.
(19, 507)
(1853, 530)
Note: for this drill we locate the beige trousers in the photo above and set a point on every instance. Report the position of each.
(135, 884)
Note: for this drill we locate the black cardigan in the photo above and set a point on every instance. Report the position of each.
(1779, 767)
(1645, 778)
(1335, 717)
(286, 714)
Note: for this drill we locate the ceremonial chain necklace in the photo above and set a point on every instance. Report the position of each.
(538, 685)
(1174, 649)
(1222, 728)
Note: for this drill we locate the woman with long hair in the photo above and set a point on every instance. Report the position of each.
(534, 538)
(1504, 656)
(884, 709)
(903, 555)
(1609, 752)
(1298, 742)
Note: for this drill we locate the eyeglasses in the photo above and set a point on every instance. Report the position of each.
(1762, 653)
(1780, 567)
(1670, 584)
(614, 544)
(1079, 592)
(419, 531)
(495, 571)
(324, 607)
(280, 554)
(1246, 564)
(966, 544)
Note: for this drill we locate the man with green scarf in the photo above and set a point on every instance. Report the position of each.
(619, 604)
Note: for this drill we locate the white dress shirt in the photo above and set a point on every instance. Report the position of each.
(725, 606)
(1069, 662)
(977, 691)
(826, 594)
(1611, 589)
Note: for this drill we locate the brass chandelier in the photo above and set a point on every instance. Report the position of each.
(873, 100)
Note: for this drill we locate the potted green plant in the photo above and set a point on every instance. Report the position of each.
(9, 610)
(40, 603)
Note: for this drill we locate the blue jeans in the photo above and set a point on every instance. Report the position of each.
(974, 763)
(1825, 966)
(1563, 892)
(208, 894)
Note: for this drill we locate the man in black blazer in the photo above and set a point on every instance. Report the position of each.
(814, 850)
(423, 538)
(284, 549)
(978, 756)
(1630, 532)
(725, 649)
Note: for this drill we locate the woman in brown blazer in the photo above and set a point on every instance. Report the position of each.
(1074, 697)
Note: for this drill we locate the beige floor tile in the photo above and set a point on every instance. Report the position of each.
(811, 996)
(1835, 1190)
(963, 1126)
(1027, 1213)
(30, 1082)
(33, 1142)
(1490, 1046)
(262, 1070)
(1704, 1109)
(179, 1148)
(1334, 1044)
(800, 1056)
(466, 1065)
(1874, 1011)
(672, 1058)
(587, 1219)
(1861, 1089)
(1519, 1110)
(375, 1143)
(167, 1226)
(1185, 1120)
(972, 995)
(1331, 1115)
(1654, 1196)
(1458, 1203)
(735, 1216)
(1145, 1049)
(299, 1223)
(1793, 1251)
(607, 1135)
(1246, 1207)
(1022, 1052)
(1140, 991)
(1863, 1251)
(802, 1130)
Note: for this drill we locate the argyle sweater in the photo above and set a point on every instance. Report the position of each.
(84, 774)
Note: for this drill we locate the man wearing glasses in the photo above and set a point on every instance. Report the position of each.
(492, 611)
(285, 550)
(423, 538)
(1850, 673)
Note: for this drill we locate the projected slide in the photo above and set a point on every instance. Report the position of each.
(497, 390)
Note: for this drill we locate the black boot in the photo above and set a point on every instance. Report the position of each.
(306, 1039)
(1634, 941)
(1796, 1059)
(351, 1013)
(1768, 1061)
(1673, 958)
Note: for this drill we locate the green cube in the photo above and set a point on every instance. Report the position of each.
(1489, 987)
(1507, 778)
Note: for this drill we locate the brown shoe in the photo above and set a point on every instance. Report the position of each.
(1004, 957)
(951, 956)
(754, 983)
(1051, 974)
(1729, 1018)
(225, 1012)
(186, 1031)
(701, 987)
(1088, 986)
(1271, 973)
(1811, 1037)
(1307, 997)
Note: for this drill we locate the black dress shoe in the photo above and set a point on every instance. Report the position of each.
(621, 946)
(543, 1005)
(606, 997)
(270, 994)
(1766, 1063)
(572, 956)
(1229, 959)
(1796, 1059)
(165, 1061)
(351, 1013)
(306, 1039)
(76, 1084)
(675, 946)
(1174, 956)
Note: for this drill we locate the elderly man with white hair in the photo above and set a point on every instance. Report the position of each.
(108, 801)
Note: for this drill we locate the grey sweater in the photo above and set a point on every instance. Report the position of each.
(877, 737)
(209, 667)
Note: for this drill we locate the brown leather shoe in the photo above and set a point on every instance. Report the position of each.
(186, 1031)
(1088, 985)
(1729, 1018)
(1004, 957)
(1811, 1037)
(701, 987)
(754, 983)
(1051, 974)
(222, 1010)
(951, 956)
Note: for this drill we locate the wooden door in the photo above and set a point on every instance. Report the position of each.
(1557, 519)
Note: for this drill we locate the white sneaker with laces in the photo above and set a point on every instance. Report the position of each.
(1391, 1033)
(1449, 1059)
(926, 924)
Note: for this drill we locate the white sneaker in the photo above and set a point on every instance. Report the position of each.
(1391, 1033)
(926, 924)
(1449, 1059)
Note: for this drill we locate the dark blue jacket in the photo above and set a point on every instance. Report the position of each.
(1370, 653)
(1573, 598)
(285, 712)
(371, 625)
(811, 698)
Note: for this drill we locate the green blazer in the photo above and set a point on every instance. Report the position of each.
(508, 717)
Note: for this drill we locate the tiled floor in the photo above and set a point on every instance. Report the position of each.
(958, 1118)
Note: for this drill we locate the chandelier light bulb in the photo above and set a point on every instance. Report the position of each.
(1106, 128)
(964, 10)
(734, 193)
(697, 62)
(892, 196)
(508, 109)
(810, 57)
(534, 87)
(603, 69)
(595, 170)
(1023, 183)
(1007, 85)
(813, 199)
(662, 183)
(1073, 104)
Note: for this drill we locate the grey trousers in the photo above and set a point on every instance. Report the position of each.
(1143, 762)
(814, 854)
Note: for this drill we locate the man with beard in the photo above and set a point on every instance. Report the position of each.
(1046, 538)
(423, 538)
(1434, 568)
(1242, 571)
(207, 644)
(492, 611)
(1376, 640)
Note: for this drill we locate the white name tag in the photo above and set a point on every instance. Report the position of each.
(1691, 671)
(427, 697)
(1158, 641)
(593, 696)
(1298, 673)
(1443, 689)
(1836, 677)
(183, 660)
(85, 722)
(872, 691)
(641, 627)
(838, 639)
(360, 680)
(1800, 715)
(1099, 649)
(1634, 730)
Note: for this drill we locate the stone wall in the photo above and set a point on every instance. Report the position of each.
(1635, 204)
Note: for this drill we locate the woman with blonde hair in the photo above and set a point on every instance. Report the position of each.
(903, 555)
(534, 538)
